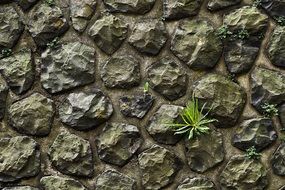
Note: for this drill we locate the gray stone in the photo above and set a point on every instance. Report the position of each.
(282, 115)
(196, 183)
(129, 6)
(225, 98)
(85, 110)
(21, 188)
(18, 70)
(243, 174)
(81, 12)
(158, 124)
(195, 42)
(20, 158)
(274, 8)
(3, 95)
(167, 78)
(205, 151)
(60, 183)
(26, 4)
(46, 23)
(148, 36)
(32, 115)
(267, 86)
(113, 180)
(121, 72)
(216, 5)
(71, 154)
(176, 9)
(67, 66)
(108, 32)
(159, 167)
(257, 132)
(278, 160)
(118, 142)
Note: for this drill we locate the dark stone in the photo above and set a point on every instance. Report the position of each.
(118, 142)
(3, 95)
(197, 183)
(257, 132)
(216, 5)
(136, 106)
(67, 66)
(278, 160)
(112, 179)
(167, 78)
(121, 72)
(243, 174)
(158, 125)
(159, 167)
(60, 183)
(129, 6)
(274, 8)
(108, 32)
(195, 42)
(32, 115)
(148, 36)
(26, 4)
(85, 110)
(20, 158)
(282, 115)
(225, 98)
(21, 188)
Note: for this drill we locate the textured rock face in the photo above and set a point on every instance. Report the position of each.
(32, 115)
(26, 4)
(158, 167)
(105, 181)
(158, 125)
(108, 33)
(71, 155)
(21, 188)
(11, 26)
(215, 5)
(282, 114)
(176, 9)
(243, 174)
(85, 110)
(195, 42)
(67, 66)
(129, 6)
(18, 71)
(60, 183)
(167, 78)
(121, 72)
(148, 36)
(118, 142)
(278, 160)
(3, 96)
(226, 98)
(274, 8)
(81, 12)
(20, 158)
(257, 132)
(196, 183)
(267, 86)
(205, 151)
(45, 23)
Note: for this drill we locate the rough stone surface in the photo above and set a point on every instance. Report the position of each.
(85, 110)
(257, 132)
(274, 8)
(32, 115)
(45, 23)
(168, 78)
(26, 4)
(195, 42)
(3, 96)
(60, 183)
(158, 167)
(196, 183)
(243, 174)
(105, 181)
(67, 66)
(158, 124)
(108, 33)
(81, 12)
(148, 36)
(278, 160)
(136, 105)
(129, 6)
(20, 158)
(118, 142)
(18, 70)
(267, 86)
(282, 115)
(205, 151)
(216, 5)
(121, 72)
(21, 188)
(226, 98)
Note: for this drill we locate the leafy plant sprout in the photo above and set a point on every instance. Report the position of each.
(223, 32)
(50, 2)
(269, 110)
(6, 52)
(194, 123)
(242, 34)
(251, 153)
(53, 43)
(280, 20)
(146, 88)
(257, 3)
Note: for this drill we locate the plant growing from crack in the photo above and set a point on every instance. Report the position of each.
(280, 20)
(242, 34)
(50, 2)
(6, 52)
(223, 32)
(251, 153)
(269, 110)
(53, 43)
(257, 3)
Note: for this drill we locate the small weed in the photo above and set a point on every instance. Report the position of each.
(251, 153)
(50, 2)
(6, 52)
(257, 3)
(242, 34)
(269, 110)
(223, 32)
(53, 43)
(280, 20)
(146, 88)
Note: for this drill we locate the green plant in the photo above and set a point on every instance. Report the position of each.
(242, 34)
(257, 3)
(6, 52)
(223, 32)
(146, 88)
(53, 43)
(193, 122)
(280, 20)
(50, 2)
(251, 153)
(269, 110)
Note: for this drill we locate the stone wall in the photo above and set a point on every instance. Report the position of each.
(75, 113)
